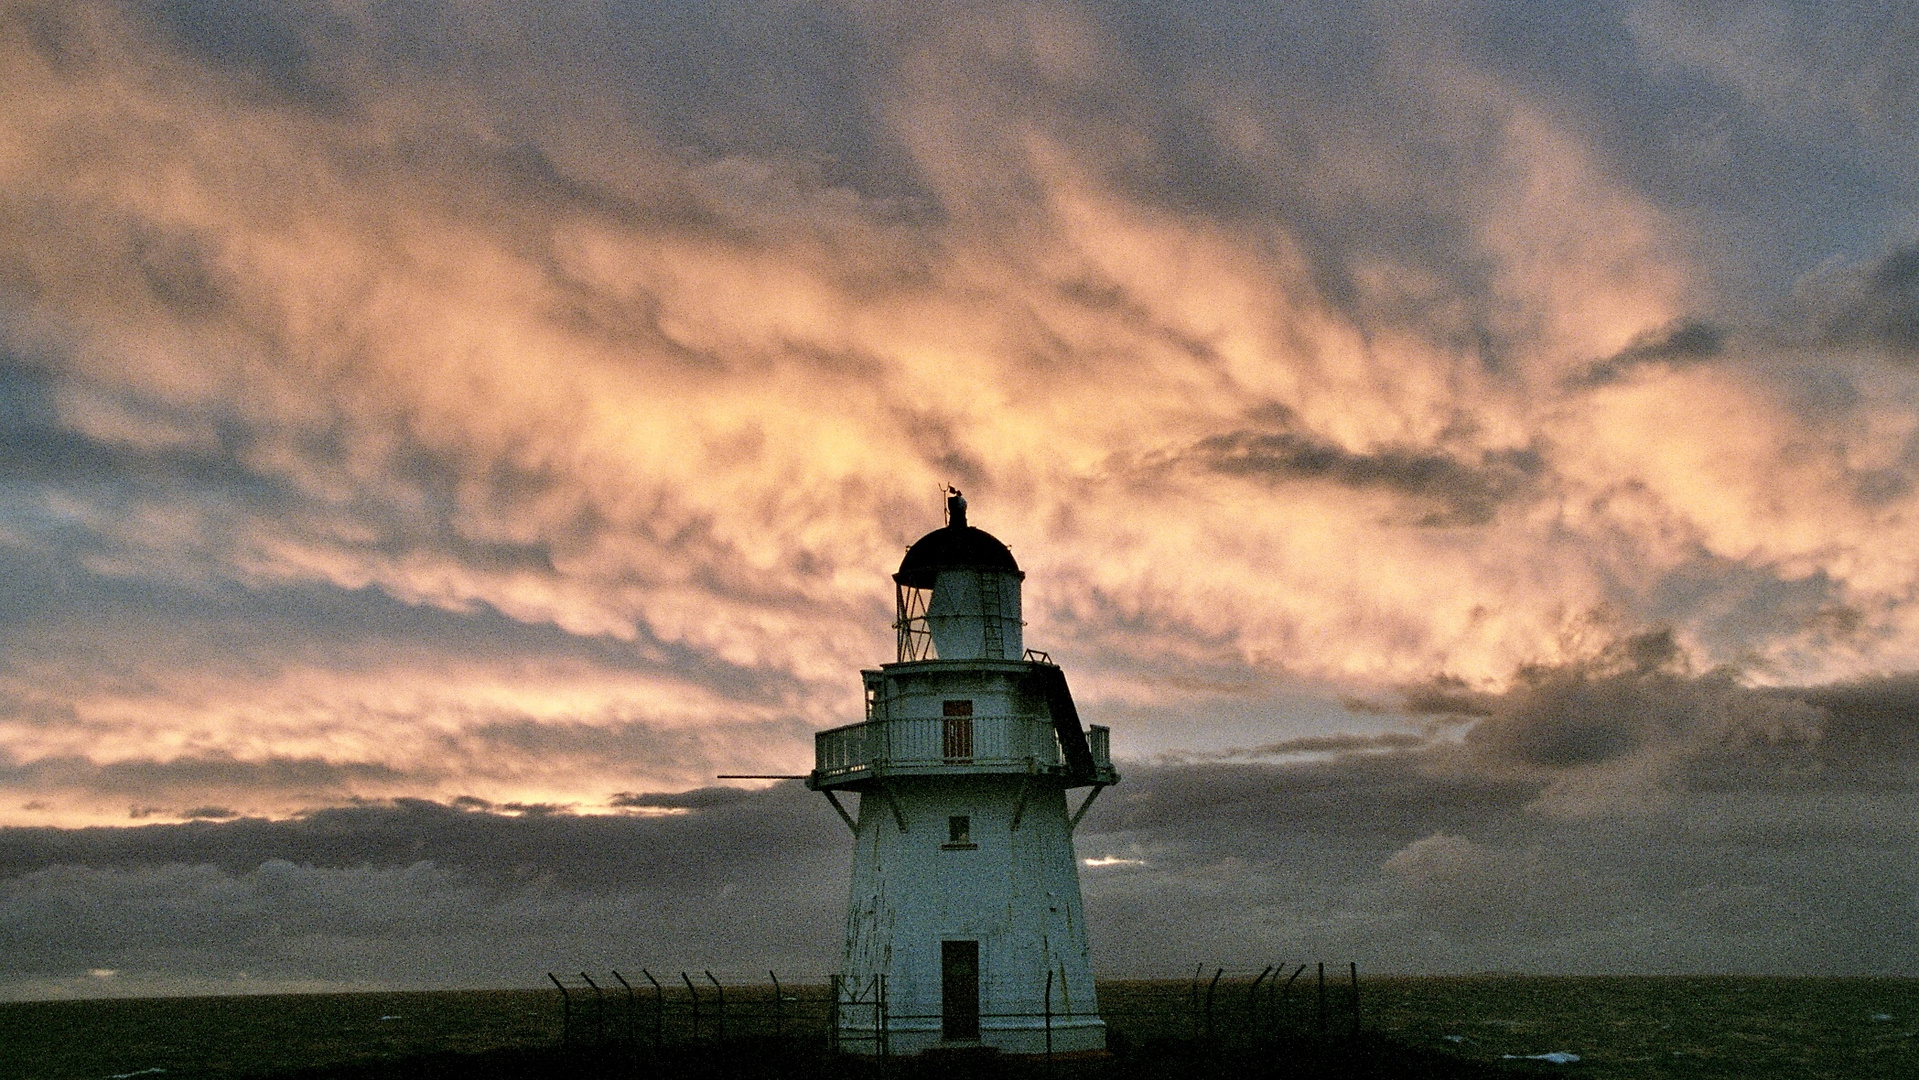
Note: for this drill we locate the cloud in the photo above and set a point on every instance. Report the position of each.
(1874, 304)
(1685, 343)
(1723, 828)
(1344, 743)
(1765, 850)
(1616, 729)
(1464, 493)
(481, 898)
(523, 411)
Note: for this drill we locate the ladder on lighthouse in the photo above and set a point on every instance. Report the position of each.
(994, 632)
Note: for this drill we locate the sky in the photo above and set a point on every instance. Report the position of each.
(1466, 451)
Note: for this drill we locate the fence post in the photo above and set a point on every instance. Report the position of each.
(720, 1028)
(659, 1010)
(883, 1020)
(1322, 997)
(1210, 987)
(599, 1010)
(779, 1008)
(631, 1029)
(1252, 1000)
(1193, 1000)
(696, 1005)
(1353, 969)
(1272, 1001)
(566, 1011)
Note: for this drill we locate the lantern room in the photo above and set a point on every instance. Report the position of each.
(958, 594)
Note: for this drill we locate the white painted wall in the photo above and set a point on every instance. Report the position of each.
(1016, 893)
(960, 611)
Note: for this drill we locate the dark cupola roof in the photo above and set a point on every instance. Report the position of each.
(957, 546)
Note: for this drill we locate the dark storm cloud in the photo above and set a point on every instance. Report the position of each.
(709, 837)
(1596, 711)
(1735, 829)
(1878, 304)
(266, 41)
(1325, 744)
(696, 799)
(1870, 729)
(1467, 492)
(1413, 858)
(1686, 343)
(43, 458)
(423, 894)
(1632, 727)
(148, 781)
(1734, 115)
(515, 745)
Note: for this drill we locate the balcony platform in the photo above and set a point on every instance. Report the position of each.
(851, 756)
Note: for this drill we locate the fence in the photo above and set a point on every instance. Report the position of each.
(686, 1008)
(1226, 1007)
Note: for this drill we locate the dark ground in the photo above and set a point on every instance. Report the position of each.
(1364, 1058)
(1621, 1028)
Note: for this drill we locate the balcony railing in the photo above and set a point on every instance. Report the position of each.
(1099, 739)
(946, 744)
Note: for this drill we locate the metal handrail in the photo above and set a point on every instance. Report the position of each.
(923, 742)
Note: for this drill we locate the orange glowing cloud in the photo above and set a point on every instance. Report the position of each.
(448, 355)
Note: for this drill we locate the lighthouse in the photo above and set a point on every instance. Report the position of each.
(965, 926)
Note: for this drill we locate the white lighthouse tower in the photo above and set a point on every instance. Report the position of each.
(965, 926)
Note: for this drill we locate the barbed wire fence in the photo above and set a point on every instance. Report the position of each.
(1224, 1007)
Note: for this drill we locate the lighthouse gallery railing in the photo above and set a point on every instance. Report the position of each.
(928, 743)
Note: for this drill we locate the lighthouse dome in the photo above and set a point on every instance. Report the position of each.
(955, 547)
(958, 546)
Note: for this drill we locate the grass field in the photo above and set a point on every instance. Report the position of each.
(1619, 1027)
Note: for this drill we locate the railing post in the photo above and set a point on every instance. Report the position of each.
(566, 1011)
(720, 1028)
(779, 1008)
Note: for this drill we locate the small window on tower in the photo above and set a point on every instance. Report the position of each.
(959, 833)
(957, 730)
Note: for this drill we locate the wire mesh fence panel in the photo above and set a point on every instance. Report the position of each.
(1227, 1007)
(673, 1013)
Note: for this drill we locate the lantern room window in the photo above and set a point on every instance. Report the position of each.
(915, 636)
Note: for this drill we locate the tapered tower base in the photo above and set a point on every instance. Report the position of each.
(964, 926)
